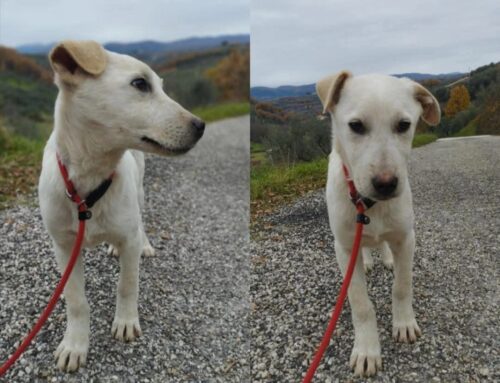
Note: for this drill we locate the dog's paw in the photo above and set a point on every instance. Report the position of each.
(365, 363)
(126, 330)
(148, 251)
(71, 354)
(406, 332)
(113, 251)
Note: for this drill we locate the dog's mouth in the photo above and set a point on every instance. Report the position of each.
(164, 148)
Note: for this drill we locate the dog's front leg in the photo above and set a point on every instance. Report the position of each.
(365, 357)
(126, 322)
(72, 351)
(405, 327)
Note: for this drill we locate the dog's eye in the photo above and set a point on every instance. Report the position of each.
(141, 84)
(357, 127)
(403, 126)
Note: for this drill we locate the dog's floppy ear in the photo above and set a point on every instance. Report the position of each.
(328, 89)
(70, 59)
(431, 111)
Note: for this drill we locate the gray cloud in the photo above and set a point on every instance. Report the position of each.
(35, 21)
(299, 41)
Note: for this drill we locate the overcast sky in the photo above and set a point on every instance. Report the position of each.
(299, 41)
(45, 21)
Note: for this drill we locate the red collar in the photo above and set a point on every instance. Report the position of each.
(361, 203)
(83, 204)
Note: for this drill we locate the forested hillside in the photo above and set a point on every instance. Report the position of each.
(292, 129)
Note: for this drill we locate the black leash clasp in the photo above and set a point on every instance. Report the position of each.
(361, 218)
(84, 215)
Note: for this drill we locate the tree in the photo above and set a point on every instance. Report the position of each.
(459, 100)
(231, 76)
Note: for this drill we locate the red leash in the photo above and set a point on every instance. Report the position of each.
(361, 220)
(83, 215)
(52, 303)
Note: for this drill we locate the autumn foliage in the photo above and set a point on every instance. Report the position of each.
(269, 112)
(231, 76)
(459, 100)
(11, 60)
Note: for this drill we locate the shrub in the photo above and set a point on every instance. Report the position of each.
(451, 125)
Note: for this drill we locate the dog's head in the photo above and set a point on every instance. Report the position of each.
(373, 120)
(121, 100)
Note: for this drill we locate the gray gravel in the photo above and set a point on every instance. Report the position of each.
(194, 298)
(295, 279)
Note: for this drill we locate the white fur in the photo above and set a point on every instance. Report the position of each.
(380, 102)
(97, 119)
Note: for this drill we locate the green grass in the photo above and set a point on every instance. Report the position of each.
(469, 130)
(287, 181)
(220, 111)
(423, 139)
(271, 186)
(20, 162)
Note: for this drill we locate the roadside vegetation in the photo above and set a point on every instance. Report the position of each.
(197, 80)
(290, 141)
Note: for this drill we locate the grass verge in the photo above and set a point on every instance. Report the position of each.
(220, 111)
(21, 158)
(20, 164)
(270, 186)
(469, 130)
(423, 139)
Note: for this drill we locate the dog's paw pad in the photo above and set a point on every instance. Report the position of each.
(126, 330)
(365, 364)
(113, 251)
(70, 356)
(148, 251)
(406, 333)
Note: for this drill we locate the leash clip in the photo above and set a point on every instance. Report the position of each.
(84, 215)
(361, 218)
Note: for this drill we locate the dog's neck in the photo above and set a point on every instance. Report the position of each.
(81, 144)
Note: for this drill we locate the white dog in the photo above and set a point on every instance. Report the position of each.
(373, 122)
(107, 104)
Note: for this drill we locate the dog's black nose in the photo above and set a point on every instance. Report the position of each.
(199, 127)
(385, 185)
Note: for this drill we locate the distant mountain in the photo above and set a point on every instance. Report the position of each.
(150, 47)
(428, 76)
(34, 49)
(268, 93)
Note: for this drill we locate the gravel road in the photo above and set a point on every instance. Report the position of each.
(193, 293)
(295, 279)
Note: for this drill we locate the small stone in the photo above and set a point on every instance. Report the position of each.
(484, 371)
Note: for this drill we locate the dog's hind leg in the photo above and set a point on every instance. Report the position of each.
(72, 351)
(386, 254)
(405, 327)
(126, 322)
(112, 251)
(367, 259)
(147, 249)
(366, 355)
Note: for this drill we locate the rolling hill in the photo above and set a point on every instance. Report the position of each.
(148, 47)
(269, 93)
